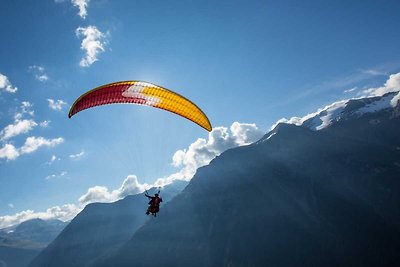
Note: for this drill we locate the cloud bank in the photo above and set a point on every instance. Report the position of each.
(64, 213)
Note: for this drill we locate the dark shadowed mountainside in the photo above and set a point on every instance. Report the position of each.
(11, 256)
(297, 197)
(100, 229)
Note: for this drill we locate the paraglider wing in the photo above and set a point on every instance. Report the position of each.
(142, 93)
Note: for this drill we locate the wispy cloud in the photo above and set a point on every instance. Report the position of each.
(341, 83)
(57, 176)
(374, 72)
(93, 44)
(53, 159)
(77, 156)
(25, 108)
(39, 73)
(350, 90)
(10, 205)
(56, 104)
(44, 124)
(6, 85)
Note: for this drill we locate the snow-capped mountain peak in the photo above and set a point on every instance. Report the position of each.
(343, 110)
(373, 100)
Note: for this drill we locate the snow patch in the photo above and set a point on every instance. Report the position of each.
(376, 106)
(332, 113)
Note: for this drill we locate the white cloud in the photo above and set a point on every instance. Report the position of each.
(391, 85)
(56, 176)
(96, 194)
(64, 213)
(202, 151)
(33, 143)
(44, 124)
(350, 90)
(129, 186)
(39, 73)
(56, 104)
(77, 156)
(396, 100)
(92, 44)
(6, 85)
(19, 127)
(82, 5)
(25, 108)
(9, 152)
(52, 160)
(373, 72)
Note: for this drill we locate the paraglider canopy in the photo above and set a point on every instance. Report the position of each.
(142, 93)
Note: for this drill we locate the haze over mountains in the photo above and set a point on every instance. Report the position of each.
(303, 195)
(100, 229)
(19, 244)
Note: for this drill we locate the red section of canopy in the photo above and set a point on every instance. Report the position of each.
(102, 96)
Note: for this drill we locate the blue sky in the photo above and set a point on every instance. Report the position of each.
(251, 62)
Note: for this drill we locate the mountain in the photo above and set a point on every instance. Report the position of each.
(100, 229)
(347, 110)
(37, 230)
(300, 196)
(19, 244)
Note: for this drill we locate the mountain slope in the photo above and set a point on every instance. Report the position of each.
(99, 229)
(298, 197)
(11, 256)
